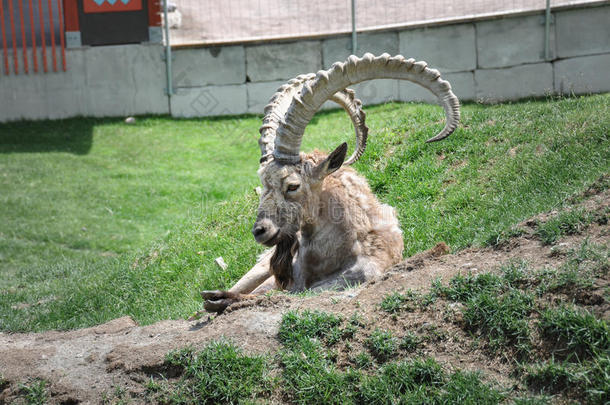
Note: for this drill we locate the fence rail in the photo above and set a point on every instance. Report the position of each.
(221, 21)
(29, 28)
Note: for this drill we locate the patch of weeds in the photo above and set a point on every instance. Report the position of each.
(464, 287)
(550, 377)
(515, 273)
(464, 387)
(597, 389)
(501, 238)
(220, 373)
(424, 381)
(35, 392)
(565, 223)
(502, 319)
(586, 380)
(595, 258)
(382, 344)
(363, 360)
(392, 303)
(409, 301)
(577, 273)
(574, 332)
(309, 375)
(410, 342)
(296, 327)
(537, 400)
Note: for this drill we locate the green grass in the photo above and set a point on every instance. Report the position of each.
(574, 332)
(220, 373)
(308, 373)
(382, 344)
(34, 392)
(101, 219)
(566, 223)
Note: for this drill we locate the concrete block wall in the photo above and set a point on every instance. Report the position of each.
(488, 60)
(100, 81)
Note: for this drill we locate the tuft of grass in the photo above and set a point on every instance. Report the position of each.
(502, 319)
(382, 344)
(575, 333)
(393, 302)
(424, 381)
(363, 360)
(550, 377)
(220, 373)
(310, 376)
(582, 380)
(35, 392)
(565, 223)
(464, 287)
(494, 306)
(296, 327)
(409, 342)
(501, 237)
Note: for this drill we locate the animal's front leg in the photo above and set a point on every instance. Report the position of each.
(218, 301)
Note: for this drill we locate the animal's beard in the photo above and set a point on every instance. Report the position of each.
(281, 261)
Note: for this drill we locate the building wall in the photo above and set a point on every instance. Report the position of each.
(485, 60)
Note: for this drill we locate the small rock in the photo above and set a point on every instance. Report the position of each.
(258, 190)
(130, 120)
(220, 262)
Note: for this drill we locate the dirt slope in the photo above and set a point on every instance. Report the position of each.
(83, 366)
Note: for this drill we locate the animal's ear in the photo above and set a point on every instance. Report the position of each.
(331, 163)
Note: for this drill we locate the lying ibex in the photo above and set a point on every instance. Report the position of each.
(326, 227)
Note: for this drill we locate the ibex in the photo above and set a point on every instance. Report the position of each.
(326, 228)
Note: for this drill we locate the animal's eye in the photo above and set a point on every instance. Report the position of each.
(293, 187)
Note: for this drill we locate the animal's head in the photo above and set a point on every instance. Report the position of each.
(291, 181)
(290, 194)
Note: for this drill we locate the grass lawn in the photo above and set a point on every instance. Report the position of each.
(100, 219)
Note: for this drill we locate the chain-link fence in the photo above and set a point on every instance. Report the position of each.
(222, 21)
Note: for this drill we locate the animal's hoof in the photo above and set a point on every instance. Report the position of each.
(212, 294)
(217, 305)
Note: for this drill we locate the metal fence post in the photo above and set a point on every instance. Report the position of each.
(168, 59)
(547, 31)
(354, 35)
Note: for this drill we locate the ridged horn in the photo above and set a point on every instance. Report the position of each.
(306, 102)
(280, 101)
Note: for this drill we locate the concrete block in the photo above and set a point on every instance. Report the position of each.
(449, 49)
(210, 100)
(338, 49)
(259, 94)
(512, 41)
(462, 84)
(125, 80)
(282, 61)
(513, 83)
(44, 95)
(23, 97)
(588, 74)
(209, 66)
(583, 31)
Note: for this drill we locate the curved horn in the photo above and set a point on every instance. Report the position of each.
(275, 112)
(315, 92)
(280, 101)
(353, 107)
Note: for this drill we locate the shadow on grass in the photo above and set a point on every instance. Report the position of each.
(71, 135)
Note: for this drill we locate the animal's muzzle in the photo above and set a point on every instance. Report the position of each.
(265, 232)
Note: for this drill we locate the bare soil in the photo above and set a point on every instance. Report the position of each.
(84, 366)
